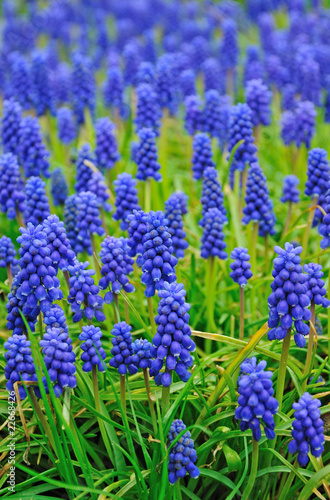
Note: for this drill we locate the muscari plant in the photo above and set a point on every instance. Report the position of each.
(179, 404)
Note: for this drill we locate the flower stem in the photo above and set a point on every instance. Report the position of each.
(151, 405)
(151, 316)
(210, 297)
(282, 371)
(266, 253)
(163, 151)
(254, 241)
(96, 263)
(288, 482)
(178, 490)
(66, 404)
(116, 307)
(241, 316)
(67, 277)
(253, 471)
(310, 346)
(123, 394)
(41, 417)
(19, 218)
(287, 220)
(9, 274)
(309, 226)
(147, 196)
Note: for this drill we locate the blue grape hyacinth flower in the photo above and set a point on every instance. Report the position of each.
(83, 87)
(193, 120)
(12, 196)
(88, 220)
(182, 456)
(33, 156)
(173, 213)
(137, 228)
(315, 285)
(258, 98)
(37, 204)
(94, 354)
(256, 404)
(202, 155)
(213, 239)
(58, 243)
(288, 303)
(324, 227)
(10, 126)
(241, 267)
(308, 429)
(148, 112)
(20, 365)
(141, 357)
(291, 192)
(83, 171)
(66, 125)
(212, 194)
(7, 252)
(106, 150)
(146, 156)
(122, 351)
(59, 187)
(126, 198)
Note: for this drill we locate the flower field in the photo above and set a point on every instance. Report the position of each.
(164, 250)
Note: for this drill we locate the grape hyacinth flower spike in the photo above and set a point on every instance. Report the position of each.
(148, 112)
(308, 430)
(33, 156)
(126, 198)
(147, 156)
(213, 244)
(61, 253)
(241, 273)
(258, 98)
(106, 150)
(8, 256)
(88, 221)
(324, 227)
(12, 196)
(182, 456)
(173, 213)
(37, 205)
(66, 125)
(193, 121)
(10, 126)
(202, 155)
(93, 353)
(137, 228)
(59, 187)
(317, 184)
(212, 195)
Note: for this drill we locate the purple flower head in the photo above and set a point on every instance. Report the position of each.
(117, 264)
(259, 207)
(241, 267)
(258, 98)
(212, 122)
(59, 187)
(66, 126)
(318, 172)
(20, 80)
(83, 87)
(212, 75)
(167, 86)
(71, 209)
(288, 303)
(33, 156)
(148, 112)
(310, 83)
(202, 155)
(97, 185)
(173, 213)
(62, 83)
(213, 244)
(137, 228)
(106, 150)
(61, 253)
(113, 90)
(212, 195)
(182, 456)
(308, 430)
(83, 171)
(146, 74)
(200, 51)
(132, 60)
(324, 227)
(7, 252)
(288, 127)
(126, 198)
(291, 192)
(315, 285)
(55, 318)
(229, 45)
(289, 97)
(10, 126)
(94, 354)
(20, 364)
(305, 116)
(188, 82)
(39, 285)
(37, 204)
(41, 90)
(172, 344)
(256, 404)
(84, 294)
(240, 127)
(141, 357)
(253, 68)
(12, 197)
(193, 121)
(59, 359)
(122, 351)
(147, 156)
(88, 219)
(158, 263)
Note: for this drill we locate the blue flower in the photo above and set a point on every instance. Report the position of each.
(318, 172)
(310, 82)
(84, 294)
(14, 306)
(106, 150)
(212, 75)
(55, 318)
(147, 156)
(315, 285)
(305, 119)
(7, 252)
(137, 228)
(141, 357)
(66, 126)
(10, 126)
(122, 351)
(213, 244)
(258, 98)
(193, 120)
(188, 82)
(229, 45)
(62, 83)
(88, 219)
(172, 344)
(83, 171)
(148, 112)
(116, 266)
(20, 364)
(202, 155)
(71, 209)
(288, 127)
(256, 404)
(126, 198)
(308, 430)
(94, 354)
(291, 192)
(20, 84)
(113, 90)
(253, 68)
(37, 205)
(158, 263)
(131, 58)
(59, 359)
(173, 213)
(83, 87)
(288, 303)
(212, 195)
(241, 267)
(259, 207)
(167, 87)
(59, 187)
(212, 114)
(41, 91)
(182, 456)
(97, 185)
(240, 127)
(33, 156)
(12, 196)
(58, 243)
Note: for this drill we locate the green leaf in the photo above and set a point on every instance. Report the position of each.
(232, 458)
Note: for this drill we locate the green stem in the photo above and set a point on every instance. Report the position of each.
(151, 316)
(310, 346)
(284, 492)
(163, 151)
(9, 274)
(309, 226)
(66, 404)
(241, 316)
(253, 471)
(123, 394)
(178, 490)
(282, 371)
(96, 263)
(210, 298)
(19, 218)
(147, 193)
(67, 277)
(254, 242)
(41, 418)
(151, 404)
(165, 399)
(116, 307)
(287, 220)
